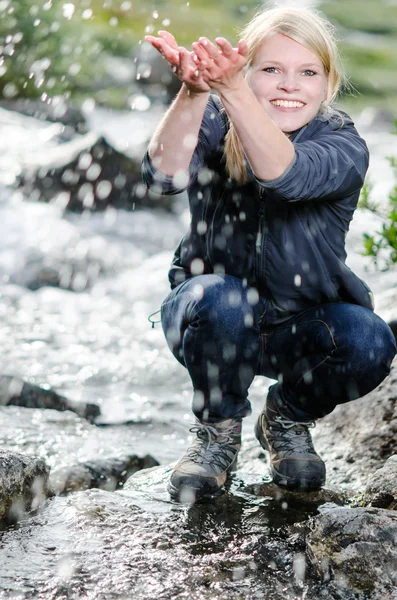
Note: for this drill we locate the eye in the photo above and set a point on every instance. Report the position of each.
(309, 73)
(270, 70)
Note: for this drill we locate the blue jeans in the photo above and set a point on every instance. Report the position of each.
(326, 355)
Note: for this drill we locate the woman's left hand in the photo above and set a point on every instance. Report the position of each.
(224, 65)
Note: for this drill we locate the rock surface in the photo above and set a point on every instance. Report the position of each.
(381, 489)
(358, 437)
(357, 548)
(15, 392)
(23, 484)
(80, 455)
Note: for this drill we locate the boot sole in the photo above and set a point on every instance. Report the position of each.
(306, 485)
(182, 494)
(196, 493)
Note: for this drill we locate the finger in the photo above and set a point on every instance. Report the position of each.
(169, 38)
(242, 48)
(184, 62)
(226, 47)
(200, 56)
(170, 55)
(209, 47)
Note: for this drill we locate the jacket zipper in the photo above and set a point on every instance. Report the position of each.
(259, 245)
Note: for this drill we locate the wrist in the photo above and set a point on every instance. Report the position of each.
(191, 93)
(238, 90)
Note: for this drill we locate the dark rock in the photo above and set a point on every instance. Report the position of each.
(381, 489)
(91, 175)
(15, 392)
(23, 484)
(357, 548)
(107, 474)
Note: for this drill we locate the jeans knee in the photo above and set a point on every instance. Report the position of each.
(223, 300)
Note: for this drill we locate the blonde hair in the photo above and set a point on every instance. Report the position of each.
(304, 26)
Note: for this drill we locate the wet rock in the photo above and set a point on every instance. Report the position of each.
(15, 392)
(106, 474)
(357, 437)
(23, 484)
(357, 548)
(381, 489)
(80, 454)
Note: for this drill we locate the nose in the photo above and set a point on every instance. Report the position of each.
(288, 82)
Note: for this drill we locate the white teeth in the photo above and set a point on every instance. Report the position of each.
(287, 103)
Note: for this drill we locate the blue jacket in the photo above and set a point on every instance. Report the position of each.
(285, 237)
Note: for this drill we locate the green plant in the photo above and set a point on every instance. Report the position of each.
(382, 246)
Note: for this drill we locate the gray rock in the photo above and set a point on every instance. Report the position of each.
(381, 489)
(15, 392)
(106, 474)
(357, 548)
(357, 437)
(80, 455)
(23, 484)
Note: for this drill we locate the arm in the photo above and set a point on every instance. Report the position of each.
(172, 145)
(212, 131)
(329, 167)
(266, 147)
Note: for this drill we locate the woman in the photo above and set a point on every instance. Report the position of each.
(259, 283)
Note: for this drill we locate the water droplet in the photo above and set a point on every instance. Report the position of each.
(166, 22)
(93, 172)
(74, 69)
(68, 10)
(87, 14)
(190, 141)
(139, 102)
(197, 266)
(85, 161)
(103, 189)
(297, 280)
(113, 22)
(10, 90)
(155, 14)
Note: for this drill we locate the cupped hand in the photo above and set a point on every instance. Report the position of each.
(181, 61)
(221, 67)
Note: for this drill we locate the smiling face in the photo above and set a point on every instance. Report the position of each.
(288, 80)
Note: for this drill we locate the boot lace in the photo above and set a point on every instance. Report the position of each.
(291, 437)
(213, 446)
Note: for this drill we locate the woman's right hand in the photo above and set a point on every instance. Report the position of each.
(181, 62)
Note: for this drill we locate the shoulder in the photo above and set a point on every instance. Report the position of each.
(335, 128)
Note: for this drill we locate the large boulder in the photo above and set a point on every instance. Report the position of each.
(23, 484)
(356, 548)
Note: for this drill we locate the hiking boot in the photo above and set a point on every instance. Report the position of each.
(203, 470)
(294, 461)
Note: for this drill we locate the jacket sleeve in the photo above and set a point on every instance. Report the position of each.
(329, 167)
(211, 132)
